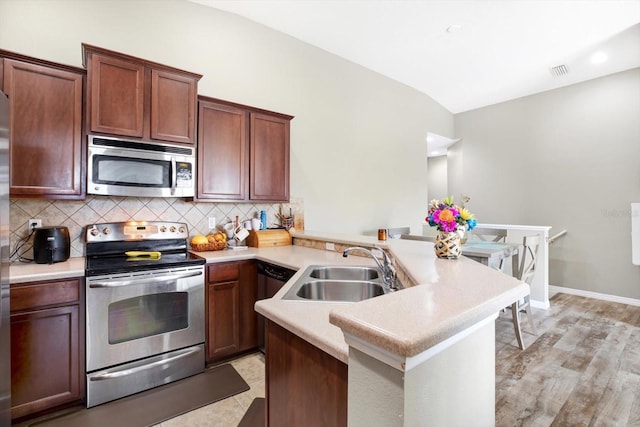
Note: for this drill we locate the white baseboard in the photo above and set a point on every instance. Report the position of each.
(613, 298)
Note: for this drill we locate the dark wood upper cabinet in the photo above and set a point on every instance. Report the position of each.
(173, 107)
(243, 153)
(269, 178)
(222, 152)
(45, 128)
(136, 98)
(117, 96)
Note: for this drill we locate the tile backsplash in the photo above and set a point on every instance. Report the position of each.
(76, 215)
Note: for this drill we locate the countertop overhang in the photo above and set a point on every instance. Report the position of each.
(447, 297)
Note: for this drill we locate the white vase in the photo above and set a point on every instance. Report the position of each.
(462, 232)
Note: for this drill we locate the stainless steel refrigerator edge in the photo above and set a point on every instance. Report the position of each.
(5, 351)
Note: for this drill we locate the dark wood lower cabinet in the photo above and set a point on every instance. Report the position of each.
(47, 346)
(304, 385)
(232, 323)
(223, 320)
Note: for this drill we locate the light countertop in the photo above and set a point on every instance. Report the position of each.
(22, 272)
(294, 257)
(451, 294)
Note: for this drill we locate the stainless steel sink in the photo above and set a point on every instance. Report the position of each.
(339, 290)
(337, 283)
(344, 273)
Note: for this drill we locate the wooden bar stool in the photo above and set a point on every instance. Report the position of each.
(525, 271)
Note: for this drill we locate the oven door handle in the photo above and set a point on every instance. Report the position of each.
(131, 371)
(143, 281)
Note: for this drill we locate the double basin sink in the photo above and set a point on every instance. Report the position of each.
(337, 284)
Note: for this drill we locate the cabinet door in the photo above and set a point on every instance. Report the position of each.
(45, 360)
(305, 386)
(116, 96)
(269, 172)
(45, 131)
(173, 107)
(223, 331)
(222, 152)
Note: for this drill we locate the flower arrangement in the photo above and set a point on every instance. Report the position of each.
(447, 216)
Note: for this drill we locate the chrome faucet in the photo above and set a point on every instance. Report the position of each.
(388, 272)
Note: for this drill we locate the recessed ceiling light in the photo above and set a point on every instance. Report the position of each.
(454, 28)
(598, 57)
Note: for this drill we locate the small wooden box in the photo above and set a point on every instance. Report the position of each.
(268, 238)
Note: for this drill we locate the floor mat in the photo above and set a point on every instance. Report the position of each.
(156, 405)
(255, 415)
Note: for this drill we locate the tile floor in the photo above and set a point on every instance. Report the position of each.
(228, 412)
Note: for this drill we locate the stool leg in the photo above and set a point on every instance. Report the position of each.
(515, 312)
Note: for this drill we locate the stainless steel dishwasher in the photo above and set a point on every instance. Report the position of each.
(270, 279)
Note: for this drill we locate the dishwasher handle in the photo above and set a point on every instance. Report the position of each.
(275, 272)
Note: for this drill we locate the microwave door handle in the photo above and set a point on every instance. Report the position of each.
(174, 176)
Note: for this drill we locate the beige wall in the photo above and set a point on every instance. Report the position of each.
(358, 140)
(567, 158)
(437, 172)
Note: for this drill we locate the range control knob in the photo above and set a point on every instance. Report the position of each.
(163, 228)
(106, 230)
(181, 229)
(94, 231)
(172, 229)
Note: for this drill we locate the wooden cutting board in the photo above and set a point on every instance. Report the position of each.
(268, 238)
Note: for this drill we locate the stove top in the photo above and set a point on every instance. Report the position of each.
(98, 266)
(107, 243)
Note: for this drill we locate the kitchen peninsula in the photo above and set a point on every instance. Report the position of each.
(415, 354)
(420, 353)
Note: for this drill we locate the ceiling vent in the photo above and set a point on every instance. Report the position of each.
(559, 70)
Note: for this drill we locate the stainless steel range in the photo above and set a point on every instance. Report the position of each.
(144, 310)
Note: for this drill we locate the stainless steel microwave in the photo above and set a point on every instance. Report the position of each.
(119, 167)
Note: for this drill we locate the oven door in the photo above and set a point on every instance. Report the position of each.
(123, 171)
(143, 314)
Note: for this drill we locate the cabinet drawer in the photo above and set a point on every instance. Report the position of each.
(26, 296)
(223, 272)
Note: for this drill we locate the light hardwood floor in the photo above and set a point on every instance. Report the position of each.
(583, 368)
